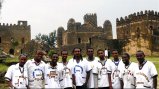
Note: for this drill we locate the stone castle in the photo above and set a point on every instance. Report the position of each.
(140, 31)
(84, 35)
(13, 37)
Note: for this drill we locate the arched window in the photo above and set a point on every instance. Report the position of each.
(90, 40)
(138, 32)
(79, 40)
(23, 40)
(0, 40)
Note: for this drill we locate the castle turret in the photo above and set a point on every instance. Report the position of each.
(90, 19)
(107, 26)
(60, 30)
(71, 24)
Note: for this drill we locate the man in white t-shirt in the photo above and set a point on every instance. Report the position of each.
(16, 75)
(92, 61)
(127, 75)
(66, 81)
(80, 69)
(35, 70)
(146, 73)
(103, 71)
(116, 67)
(53, 72)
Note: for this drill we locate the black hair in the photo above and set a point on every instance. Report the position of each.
(89, 48)
(23, 55)
(126, 54)
(141, 52)
(80, 51)
(114, 50)
(63, 51)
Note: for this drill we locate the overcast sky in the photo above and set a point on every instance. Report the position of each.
(45, 16)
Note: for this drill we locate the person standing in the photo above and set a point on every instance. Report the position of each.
(80, 69)
(16, 75)
(102, 70)
(127, 75)
(117, 66)
(146, 73)
(35, 70)
(53, 72)
(66, 82)
(92, 61)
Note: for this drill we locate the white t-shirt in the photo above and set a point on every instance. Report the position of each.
(80, 70)
(102, 70)
(66, 76)
(91, 78)
(17, 75)
(115, 73)
(35, 73)
(52, 76)
(144, 76)
(127, 76)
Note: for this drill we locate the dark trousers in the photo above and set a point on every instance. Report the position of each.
(103, 88)
(68, 88)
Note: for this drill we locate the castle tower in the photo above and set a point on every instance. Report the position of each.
(107, 26)
(90, 19)
(71, 25)
(60, 30)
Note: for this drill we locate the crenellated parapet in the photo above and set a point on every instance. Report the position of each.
(139, 16)
(20, 24)
(90, 19)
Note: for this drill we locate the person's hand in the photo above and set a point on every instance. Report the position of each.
(84, 85)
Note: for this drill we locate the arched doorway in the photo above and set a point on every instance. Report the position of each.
(11, 51)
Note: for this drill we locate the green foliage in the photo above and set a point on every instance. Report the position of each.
(47, 40)
(51, 52)
(117, 44)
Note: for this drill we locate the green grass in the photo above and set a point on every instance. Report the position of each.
(3, 67)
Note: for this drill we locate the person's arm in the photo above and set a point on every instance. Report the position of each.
(74, 79)
(87, 77)
(121, 83)
(110, 81)
(8, 76)
(154, 82)
(9, 84)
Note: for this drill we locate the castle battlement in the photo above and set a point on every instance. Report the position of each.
(146, 15)
(19, 24)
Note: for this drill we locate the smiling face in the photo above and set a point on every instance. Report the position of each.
(140, 56)
(90, 52)
(101, 54)
(64, 55)
(22, 60)
(55, 58)
(125, 58)
(115, 54)
(39, 55)
(77, 52)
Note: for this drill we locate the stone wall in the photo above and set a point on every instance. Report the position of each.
(10, 33)
(140, 29)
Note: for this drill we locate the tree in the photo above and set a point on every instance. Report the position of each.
(47, 40)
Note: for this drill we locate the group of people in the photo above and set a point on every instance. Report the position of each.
(83, 72)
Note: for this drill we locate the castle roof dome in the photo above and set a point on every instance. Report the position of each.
(71, 21)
